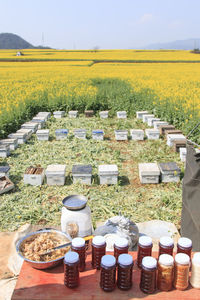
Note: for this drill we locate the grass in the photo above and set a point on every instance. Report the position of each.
(42, 205)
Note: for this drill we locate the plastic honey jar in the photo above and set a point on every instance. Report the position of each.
(120, 247)
(184, 245)
(78, 245)
(98, 251)
(148, 275)
(195, 274)
(108, 273)
(124, 271)
(144, 249)
(166, 245)
(181, 271)
(165, 272)
(71, 270)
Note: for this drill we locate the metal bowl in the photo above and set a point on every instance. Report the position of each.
(42, 264)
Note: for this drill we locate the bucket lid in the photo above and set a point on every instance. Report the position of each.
(75, 202)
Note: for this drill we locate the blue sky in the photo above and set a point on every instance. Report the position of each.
(108, 24)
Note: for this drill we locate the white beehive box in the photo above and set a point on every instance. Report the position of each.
(146, 117)
(30, 125)
(183, 153)
(121, 135)
(55, 174)
(97, 134)
(42, 134)
(157, 124)
(40, 121)
(149, 173)
(121, 115)
(103, 114)
(139, 114)
(34, 176)
(152, 134)
(44, 114)
(170, 172)
(151, 121)
(26, 131)
(59, 114)
(137, 134)
(108, 174)
(61, 134)
(4, 171)
(13, 143)
(4, 150)
(73, 114)
(21, 137)
(80, 133)
(82, 174)
(172, 137)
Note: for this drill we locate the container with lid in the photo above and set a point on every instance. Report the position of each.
(71, 270)
(30, 125)
(152, 134)
(163, 128)
(34, 176)
(4, 171)
(183, 153)
(21, 137)
(146, 117)
(97, 134)
(13, 143)
(80, 133)
(78, 246)
(108, 273)
(165, 272)
(59, 114)
(166, 245)
(103, 114)
(144, 249)
(98, 251)
(44, 114)
(121, 115)
(148, 275)
(61, 134)
(76, 211)
(121, 135)
(151, 121)
(4, 150)
(73, 114)
(40, 121)
(42, 134)
(184, 245)
(120, 247)
(137, 134)
(181, 271)
(139, 114)
(89, 113)
(108, 174)
(125, 271)
(170, 172)
(172, 137)
(82, 174)
(26, 131)
(195, 275)
(55, 174)
(149, 173)
(157, 124)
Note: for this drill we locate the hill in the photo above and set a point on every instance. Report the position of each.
(188, 44)
(14, 41)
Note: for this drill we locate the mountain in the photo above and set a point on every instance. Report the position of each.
(13, 41)
(188, 44)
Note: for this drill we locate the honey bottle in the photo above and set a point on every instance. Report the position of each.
(124, 271)
(166, 245)
(148, 275)
(165, 272)
(98, 251)
(120, 247)
(78, 245)
(71, 269)
(108, 273)
(144, 249)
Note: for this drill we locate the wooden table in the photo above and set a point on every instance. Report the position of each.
(47, 284)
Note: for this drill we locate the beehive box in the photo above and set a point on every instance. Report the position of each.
(97, 134)
(80, 133)
(21, 137)
(103, 114)
(149, 173)
(5, 184)
(13, 143)
(44, 114)
(170, 172)
(4, 151)
(73, 114)
(41, 122)
(137, 134)
(82, 174)
(4, 171)
(150, 121)
(34, 176)
(172, 131)
(108, 174)
(174, 137)
(61, 134)
(59, 114)
(157, 124)
(146, 117)
(89, 113)
(121, 115)
(42, 134)
(139, 114)
(163, 128)
(26, 131)
(30, 125)
(121, 135)
(55, 174)
(152, 134)
(178, 144)
(183, 153)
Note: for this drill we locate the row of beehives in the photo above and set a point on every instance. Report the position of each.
(88, 114)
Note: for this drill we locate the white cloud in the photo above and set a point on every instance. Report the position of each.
(146, 18)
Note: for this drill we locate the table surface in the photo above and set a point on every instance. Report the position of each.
(48, 284)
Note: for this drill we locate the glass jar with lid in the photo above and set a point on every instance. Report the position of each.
(166, 245)
(108, 273)
(124, 271)
(195, 274)
(144, 249)
(165, 272)
(71, 269)
(184, 245)
(120, 247)
(148, 275)
(78, 245)
(98, 251)
(181, 271)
